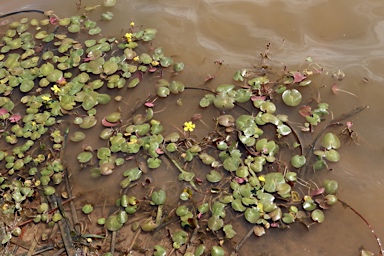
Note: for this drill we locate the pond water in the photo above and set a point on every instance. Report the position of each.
(344, 34)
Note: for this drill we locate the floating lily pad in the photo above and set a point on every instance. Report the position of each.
(318, 216)
(258, 230)
(159, 197)
(292, 97)
(330, 141)
(112, 223)
(88, 208)
(179, 238)
(330, 186)
(109, 3)
(332, 155)
(214, 176)
(217, 251)
(159, 251)
(298, 161)
(215, 223)
(88, 122)
(77, 136)
(84, 157)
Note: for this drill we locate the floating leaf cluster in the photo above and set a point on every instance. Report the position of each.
(50, 80)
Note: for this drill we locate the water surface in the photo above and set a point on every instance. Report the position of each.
(345, 34)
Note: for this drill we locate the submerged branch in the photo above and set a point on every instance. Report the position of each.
(18, 12)
(335, 122)
(178, 167)
(241, 243)
(345, 204)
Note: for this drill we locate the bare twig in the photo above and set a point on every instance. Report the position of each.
(113, 242)
(245, 238)
(345, 204)
(335, 122)
(134, 240)
(178, 167)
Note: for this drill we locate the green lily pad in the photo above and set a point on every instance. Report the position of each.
(88, 122)
(292, 97)
(224, 102)
(199, 250)
(48, 190)
(148, 225)
(179, 238)
(181, 210)
(237, 205)
(215, 223)
(218, 209)
(122, 217)
(84, 157)
(229, 232)
(309, 205)
(288, 218)
(113, 117)
(298, 161)
(133, 83)
(112, 223)
(332, 155)
(331, 199)
(159, 197)
(163, 91)
(110, 67)
(252, 215)
(87, 209)
(330, 141)
(330, 186)
(272, 181)
(133, 174)
(109, 3)
(153, 163)
(103, 153)
(178, 66)
(318, 216)
(77, 136)
(217, 251)
(214, 176)
(166, 62)
(159, 251)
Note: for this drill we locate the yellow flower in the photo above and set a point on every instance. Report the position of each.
(129, 37)
(189, 126)
(260, 206)
(261, 178)
(132, 24)
(55, 89)
(136, 58)
(46, 98)
(133, 140)
(56, 133)
(154, 63)
(33, 124)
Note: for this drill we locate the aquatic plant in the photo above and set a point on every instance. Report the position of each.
(252, 163)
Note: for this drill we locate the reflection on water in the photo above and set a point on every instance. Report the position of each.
(344, 34)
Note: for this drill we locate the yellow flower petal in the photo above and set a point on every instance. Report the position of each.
(128, 36)
(132, 23)
(55, 89)
(189, 126)
(46, 98)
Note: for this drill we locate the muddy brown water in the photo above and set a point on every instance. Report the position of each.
(344, 34)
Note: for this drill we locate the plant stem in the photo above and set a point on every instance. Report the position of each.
(178, 167)
(345, 204)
